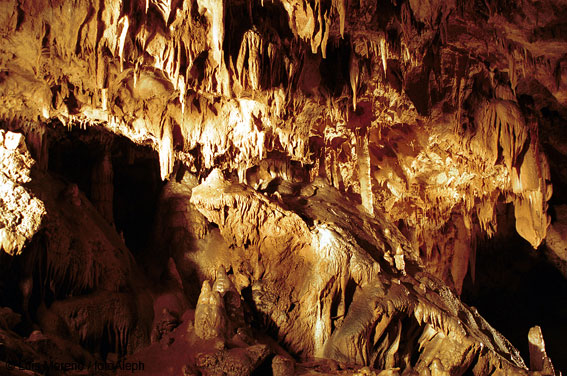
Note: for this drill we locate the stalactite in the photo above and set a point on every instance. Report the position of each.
(318, 36)
(558, 71)
(297, 108)
(461, 252)
(384, 53)
(500, 123)
(214, 10)
(166, 157)
(164, 6)
(325, 39)
(390, 354)
(249, 9)
(168, 64)
(122, 40)
(512, 70)
(182, 95)
(321, 329)
(472, 263)
(341, 7)
(406, 56)
(176, 78)
(104, 99)
(242, 53)
(354, 75)
(274, 64)
(255, 50)
(364, 165)
(251, 49)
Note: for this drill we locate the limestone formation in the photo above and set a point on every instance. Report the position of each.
(539, 361)
(210, 315)
(21, 212)
(387, 304)
(211, 184)
(282, 366)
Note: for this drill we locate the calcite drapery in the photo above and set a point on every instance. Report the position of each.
(239, 80)
(432, 113)
(313, 309)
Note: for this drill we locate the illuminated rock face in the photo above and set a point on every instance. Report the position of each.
(311, 309)
(338, 160)
(21, 211)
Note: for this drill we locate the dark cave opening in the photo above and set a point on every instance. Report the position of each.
(517, 288)
(33, 286)
(406, 356)
(74, 155)
(137, 186)
(72, 158)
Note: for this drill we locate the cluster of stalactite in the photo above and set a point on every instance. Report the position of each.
(374, 97)
(430, 116)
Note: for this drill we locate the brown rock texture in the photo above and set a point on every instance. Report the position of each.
(286, 179)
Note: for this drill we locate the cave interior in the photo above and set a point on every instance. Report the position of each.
(284, 187)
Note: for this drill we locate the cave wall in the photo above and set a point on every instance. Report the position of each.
(427, 116)
(433, 111)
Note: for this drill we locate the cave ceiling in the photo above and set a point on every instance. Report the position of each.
(365, 145)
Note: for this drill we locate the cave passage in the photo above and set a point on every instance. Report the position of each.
(516, 288)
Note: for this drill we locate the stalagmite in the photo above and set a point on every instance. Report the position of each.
(103, 187)
(210, 317)
(37, 141)
(539, 361)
